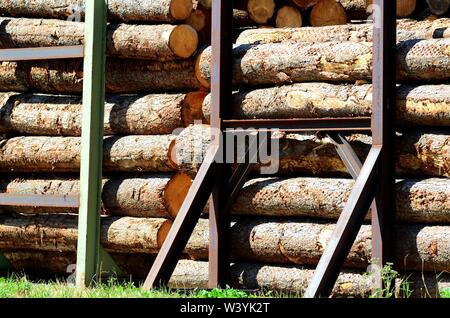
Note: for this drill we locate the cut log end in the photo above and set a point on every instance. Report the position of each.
(175, 192)
(261, 11)
(405, 8)
(305, 4)
(328, 12)
(197, 20)
(163, 231)
(198, 73)
(439, 7)
(181, 9)
(183, 41)
(192, 108)
(288, 17)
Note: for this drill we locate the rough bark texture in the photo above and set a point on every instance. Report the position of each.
(138, 196)
(59, 233)
(406, 30)
(421, 201)
(57, 263)
(122, 76)
(288, 62)
(423, 105)
(56, 115)
(417, 247)
(135, 10)
(419, 153)
(62, 154)
(153, 42)
(294, 279)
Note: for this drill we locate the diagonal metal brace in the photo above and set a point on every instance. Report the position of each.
(184, 223)
(347, 228)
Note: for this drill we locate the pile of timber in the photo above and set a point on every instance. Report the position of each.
(157, 81)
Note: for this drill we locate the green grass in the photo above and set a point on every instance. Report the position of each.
(22, 287)
(445, 293)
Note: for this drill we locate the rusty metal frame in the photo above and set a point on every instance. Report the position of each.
(375, 178)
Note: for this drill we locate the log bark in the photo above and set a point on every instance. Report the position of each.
(417, 247)
(51, 263)
(419, 153)
(294, 280)
(288, 17)
(153, 196)
(328, 12)
(122, 76)
(362, 9)
(438, 7)
(423, 105)
(290, 62)
(56, 115)
(418, 201)
(154, 42)
(59, 233)
(62, 154)
(406, 30)
(149, 11)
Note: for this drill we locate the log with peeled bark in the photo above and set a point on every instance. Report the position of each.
(288, 17)
(294, 279)
(291, 62)
(419, 152)
(59, 233)
(328, 12)
(154, 42)
(62, 154)
(406, 30)
(438, 7)
(280, 241)
(362, 9)
(423, 105)
(134, 10)
(122, 76)
(155, 196)
(57, 115)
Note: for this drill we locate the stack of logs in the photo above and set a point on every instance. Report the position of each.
(297, 13)
(158, 82)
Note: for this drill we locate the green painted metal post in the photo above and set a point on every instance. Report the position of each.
(88, 250)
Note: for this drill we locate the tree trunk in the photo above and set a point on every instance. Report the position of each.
(59, 233)
(294, 279)
(288, 62)
(153, 42)
(406, 30)
(47, 263)
(328, 12)
(56, 115)
(425, 105)
(288, 17)
(438, 7)
(279, 241)
(145, 196)
(149, 11)
(362, 9)
(418, 201)
(122, 76)
(419, 153)
(62, 154)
